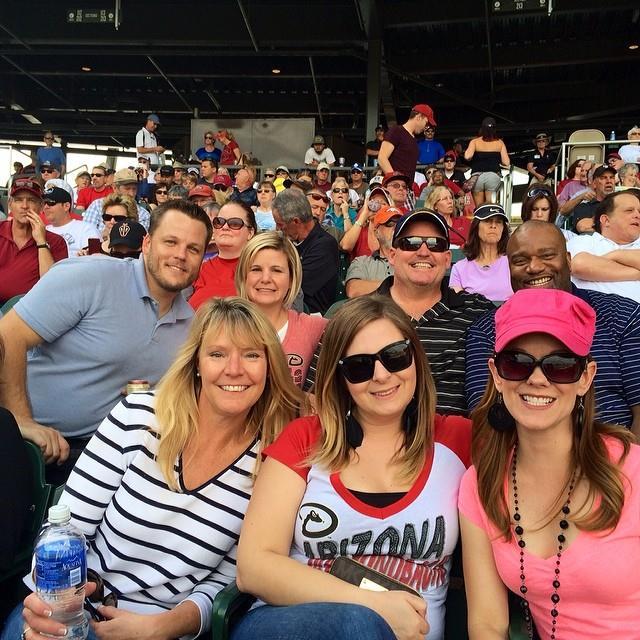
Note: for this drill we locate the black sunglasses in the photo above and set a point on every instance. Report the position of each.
(269, 175)
(45, 170)
(117, 254)
(162, 192)
(98, 175)
(219, 187)
(98, 597)
(265, 191)
(107, 217)
(341, 190)
(395, 357)
(537, 191)
(233, 223)
(435, 244)
(561, 368)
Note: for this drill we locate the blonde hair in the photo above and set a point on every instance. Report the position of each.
(340, 181)
(177, 395)
(434, 197)
(270, 240)
(127, 202)
(491, 452)
(333, 400)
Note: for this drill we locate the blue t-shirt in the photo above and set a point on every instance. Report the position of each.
(100, 328)
(203, 154)
(50, 154)
(429, 151)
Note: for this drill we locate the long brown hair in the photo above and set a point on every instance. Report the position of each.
(471, 248)
(491, 454)
(333, 400)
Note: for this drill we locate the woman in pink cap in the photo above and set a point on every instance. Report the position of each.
(550, 509)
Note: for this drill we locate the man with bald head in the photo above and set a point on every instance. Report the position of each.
(538, 258)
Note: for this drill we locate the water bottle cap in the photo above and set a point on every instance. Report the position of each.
(59, 513)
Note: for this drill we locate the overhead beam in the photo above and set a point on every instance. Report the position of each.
(173, 87)
(248, 25)
(315, 90)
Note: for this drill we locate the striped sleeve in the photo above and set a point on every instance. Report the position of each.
(479, 348)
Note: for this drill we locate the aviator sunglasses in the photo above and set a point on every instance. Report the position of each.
(395, 357)
(233, 223)
(435, 244)
(561, 368)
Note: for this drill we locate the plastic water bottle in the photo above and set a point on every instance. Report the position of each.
(61, 571)
(612, 135)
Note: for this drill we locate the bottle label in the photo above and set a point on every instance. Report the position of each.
(60, 565)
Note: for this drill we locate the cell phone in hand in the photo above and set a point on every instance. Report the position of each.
(95, 246)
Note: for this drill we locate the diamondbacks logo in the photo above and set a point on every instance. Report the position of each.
(317, 520)
(124, 229)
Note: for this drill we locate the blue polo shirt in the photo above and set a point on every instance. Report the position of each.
(616, 350)
(100, 328)
(50, 154)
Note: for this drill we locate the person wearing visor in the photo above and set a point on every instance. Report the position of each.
(375, 470)
(485, 269)
(549, 511)
(125, 239)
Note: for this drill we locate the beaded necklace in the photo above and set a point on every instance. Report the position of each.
(519, 531)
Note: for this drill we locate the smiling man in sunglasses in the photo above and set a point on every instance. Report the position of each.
(538, 258)
(125, 184)
(96, 190)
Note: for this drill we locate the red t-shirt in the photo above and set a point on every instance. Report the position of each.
(19, 269)
(215, 281)
(405, 151)
(87, 195)
(228, 157)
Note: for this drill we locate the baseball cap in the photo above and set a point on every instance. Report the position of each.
(47, 164)
(282, 168)
(356, 168)
(166, 170)
(397, 175)
(614, 154)
(61, 184)
(426, 111)
(602, 170)
(489, 122)
(450, 154)
(56, 195)
(125, 176)
(154, 118)
(222, 178)
(26, 184)
(385, 213)
(379, 128)
(421, 215)
(128, 233)
(202, 190)
(485, 211)
(552, 311)
(542, 136)
(322, 165)
(318, 140)
(179, 165)
(378, 189)
(376, 180)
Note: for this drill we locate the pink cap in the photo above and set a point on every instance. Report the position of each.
(557, 313)
(201, 190)
(223, 179)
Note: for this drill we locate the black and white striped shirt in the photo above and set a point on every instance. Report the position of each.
(155, 547)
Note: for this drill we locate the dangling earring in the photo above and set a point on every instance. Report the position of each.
(580, 413)
(353, 430)
(410, 419)
(197, 374)
(499, 417)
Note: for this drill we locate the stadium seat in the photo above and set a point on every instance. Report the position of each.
(594, 152)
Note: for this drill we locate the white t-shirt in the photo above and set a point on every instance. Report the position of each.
(598, 245)
(146, 139)
(326, 156)
(630, 153)
(76, 234)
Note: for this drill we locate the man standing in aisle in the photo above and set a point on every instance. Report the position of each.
(146, 141)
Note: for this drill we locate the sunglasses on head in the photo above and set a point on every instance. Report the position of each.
(107, 217)
(233, 223)
(395, 357)
(98, 175)
(343, 190)
(537, 191)
(435, 244)
(561, 368)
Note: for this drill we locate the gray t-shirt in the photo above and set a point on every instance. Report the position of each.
(372, 267)
(100, 328)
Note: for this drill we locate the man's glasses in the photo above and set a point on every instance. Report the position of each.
(435, 244)
(561, 368)
(233, 223)
(340, 190)
(50, 203)
(208, 138)
(219, 187)
(537, 191)
(107, 217)
(49, 138)
(449, 159)
(398, 185)
(98, 175)
(265, 191)
(395, 357)
(45, 170)
(161, 192)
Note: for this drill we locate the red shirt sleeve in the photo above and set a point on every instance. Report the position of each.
(454, 432)
(83, 200)
(59, 249)
(295, 443)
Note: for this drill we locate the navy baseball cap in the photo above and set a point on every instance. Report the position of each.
(421, 215)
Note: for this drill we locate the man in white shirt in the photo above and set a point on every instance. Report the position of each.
(146, 141)
(609, 260)
(318, 152)
(57, 209)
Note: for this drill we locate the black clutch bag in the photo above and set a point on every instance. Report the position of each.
(355, 573)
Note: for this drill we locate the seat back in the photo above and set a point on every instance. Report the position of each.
(594, 152)
(9, 304)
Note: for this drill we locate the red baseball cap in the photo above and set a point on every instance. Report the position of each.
(426, 111)
(222, 178)
(26, 184)
(557, 313)
(201, 190)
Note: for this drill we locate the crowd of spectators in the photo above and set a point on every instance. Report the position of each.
(330, 331)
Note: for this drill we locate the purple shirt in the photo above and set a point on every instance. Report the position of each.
(493, 281)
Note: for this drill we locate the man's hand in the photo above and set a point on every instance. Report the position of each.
(159, 149)
(38, 230)
(53, 446)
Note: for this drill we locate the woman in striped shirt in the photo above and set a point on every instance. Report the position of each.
(161, 489)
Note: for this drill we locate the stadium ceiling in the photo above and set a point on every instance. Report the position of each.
(92, 82)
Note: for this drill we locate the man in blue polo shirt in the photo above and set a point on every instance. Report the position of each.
(538, 257)
(94, 324)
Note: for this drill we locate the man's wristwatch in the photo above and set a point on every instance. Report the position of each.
(44, 246)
